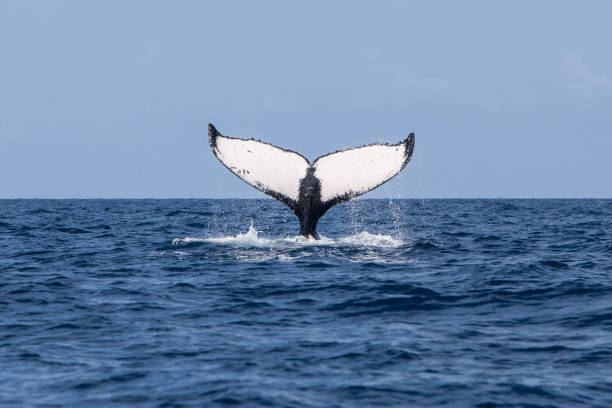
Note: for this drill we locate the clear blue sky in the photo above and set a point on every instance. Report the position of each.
(112, 98)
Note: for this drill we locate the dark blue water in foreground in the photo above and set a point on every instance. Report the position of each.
(170, 303)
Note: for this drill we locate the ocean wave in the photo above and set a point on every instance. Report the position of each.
(101, 306)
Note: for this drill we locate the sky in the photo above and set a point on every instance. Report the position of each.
(112, 99)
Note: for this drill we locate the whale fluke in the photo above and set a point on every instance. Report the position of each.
(310, 189)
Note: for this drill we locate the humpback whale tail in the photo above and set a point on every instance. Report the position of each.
(310, 189)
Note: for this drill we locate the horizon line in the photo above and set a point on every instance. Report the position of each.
(269, 198)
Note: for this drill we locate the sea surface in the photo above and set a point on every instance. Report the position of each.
(206, 303)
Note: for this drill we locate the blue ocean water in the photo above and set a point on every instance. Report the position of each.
(172, 303)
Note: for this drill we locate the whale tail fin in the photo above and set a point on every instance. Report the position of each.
(310, 189)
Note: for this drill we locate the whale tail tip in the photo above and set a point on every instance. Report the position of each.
(212, 135)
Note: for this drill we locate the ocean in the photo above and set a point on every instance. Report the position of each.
(206, 303)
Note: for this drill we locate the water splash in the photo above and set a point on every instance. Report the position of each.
(252, 239)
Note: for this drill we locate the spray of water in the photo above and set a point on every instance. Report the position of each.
(251, 238)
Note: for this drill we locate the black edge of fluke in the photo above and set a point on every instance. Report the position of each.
(212, 135)
(409, 146)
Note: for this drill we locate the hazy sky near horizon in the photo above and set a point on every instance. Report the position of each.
(112, 99)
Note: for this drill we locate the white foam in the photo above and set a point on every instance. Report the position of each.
(252, 239)
(364, 238)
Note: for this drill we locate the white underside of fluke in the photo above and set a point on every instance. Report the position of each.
(346, 173)
(263, 166)
(357, 171)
